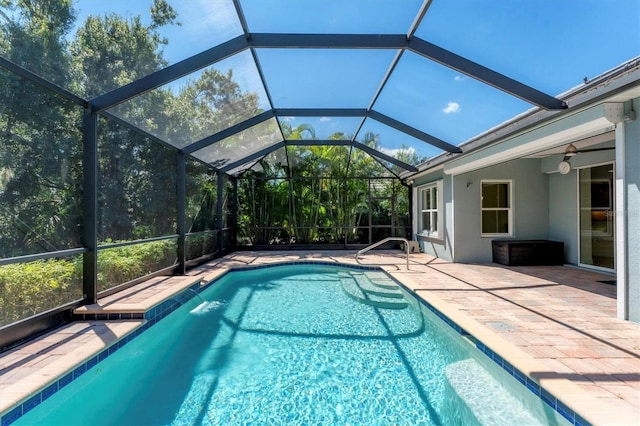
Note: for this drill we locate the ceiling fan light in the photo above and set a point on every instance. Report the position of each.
(571, 150)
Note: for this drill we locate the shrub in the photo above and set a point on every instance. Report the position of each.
(27, 289)
(31, 288)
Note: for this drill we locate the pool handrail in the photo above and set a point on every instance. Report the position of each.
(379, 243)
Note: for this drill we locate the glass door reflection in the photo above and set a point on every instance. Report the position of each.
(597, 216)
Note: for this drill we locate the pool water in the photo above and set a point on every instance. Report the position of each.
(301, 344)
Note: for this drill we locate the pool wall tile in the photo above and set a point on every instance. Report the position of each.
(92, 362)
(32, 402)
(533, 386)
(79, 371)
(49, 391)
(65, 380)
(549, 399)
(566, 412)
(12, 416)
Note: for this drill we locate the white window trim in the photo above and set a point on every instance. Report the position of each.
(510, 209)
(417, 210)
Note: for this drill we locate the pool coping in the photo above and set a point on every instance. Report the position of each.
(514, 361)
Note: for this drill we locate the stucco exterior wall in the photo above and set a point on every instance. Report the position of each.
(563, 215)
(530, 206)
(439, 247)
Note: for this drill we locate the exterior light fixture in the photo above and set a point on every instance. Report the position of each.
(571, 150)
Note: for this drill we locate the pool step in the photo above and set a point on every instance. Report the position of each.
(353, 289)
(382, 280)
(371, 287)
(379, 279)
(485, 400)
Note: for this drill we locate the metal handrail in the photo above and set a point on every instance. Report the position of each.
(379, 243)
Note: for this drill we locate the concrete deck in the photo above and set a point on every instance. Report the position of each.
(557, 324)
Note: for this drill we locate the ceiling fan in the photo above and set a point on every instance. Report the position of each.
(570, 151)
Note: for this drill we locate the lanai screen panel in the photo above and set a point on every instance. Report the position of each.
(391, 168)
(323, 78)
(521, 38)
(395, 143)
(363, 165)
(331, 16)
(319, 128)
(318, 161)
(114, 54)
(241, 145)
(200, 104)
(442, 102)
(137, 195)
(273, 164)
(40, 169)
(249, 165)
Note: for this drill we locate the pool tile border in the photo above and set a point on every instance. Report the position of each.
(169, 305)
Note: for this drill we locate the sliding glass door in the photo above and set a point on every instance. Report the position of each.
(597, 216)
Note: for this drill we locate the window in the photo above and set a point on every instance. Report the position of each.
(496, 208)
(429, 205)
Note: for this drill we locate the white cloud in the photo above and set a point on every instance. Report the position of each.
(287, 118)
(458, 78)
(207, 14)
(325, 119)
(393, 152)
(451, 108)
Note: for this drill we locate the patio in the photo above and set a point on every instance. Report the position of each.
(557, 324)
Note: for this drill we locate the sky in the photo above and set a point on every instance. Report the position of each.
(550, 45)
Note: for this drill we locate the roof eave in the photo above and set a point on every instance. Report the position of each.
(609, 83)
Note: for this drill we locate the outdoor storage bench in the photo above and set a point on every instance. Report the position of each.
(528, 252)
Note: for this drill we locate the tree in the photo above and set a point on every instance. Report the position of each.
(34, 36)
(40, 138)
(111, 51)
(136, 175)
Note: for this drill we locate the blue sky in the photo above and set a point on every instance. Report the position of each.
(550, 45)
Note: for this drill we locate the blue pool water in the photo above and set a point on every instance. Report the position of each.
(306, 344)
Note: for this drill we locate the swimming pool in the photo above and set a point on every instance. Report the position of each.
(297, 344)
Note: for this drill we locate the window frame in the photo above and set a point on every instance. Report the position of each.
(508, 209)
(434, 233)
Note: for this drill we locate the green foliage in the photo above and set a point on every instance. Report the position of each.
(200, 245)
(330, 194)
(111, 51)
(122, 264)
(30, 288)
